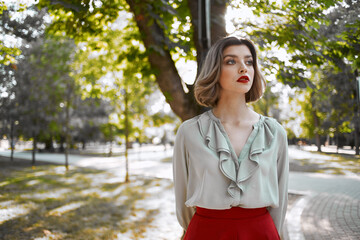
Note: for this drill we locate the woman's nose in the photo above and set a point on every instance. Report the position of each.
(242, 69)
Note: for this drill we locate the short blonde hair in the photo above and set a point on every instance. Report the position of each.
(207, 87)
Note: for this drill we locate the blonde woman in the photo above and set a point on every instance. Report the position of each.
(230, 163)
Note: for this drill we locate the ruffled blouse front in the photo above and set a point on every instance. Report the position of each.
(247, 163)
(207, 172)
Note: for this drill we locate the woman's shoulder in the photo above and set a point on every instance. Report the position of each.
(189, 126)
(275, 125)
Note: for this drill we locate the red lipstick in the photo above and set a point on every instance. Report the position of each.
(243, 79)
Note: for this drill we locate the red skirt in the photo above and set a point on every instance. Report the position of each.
(230, 224)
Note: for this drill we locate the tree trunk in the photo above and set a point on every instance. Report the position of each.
(110, 150)
(318, 142)
(357, 137)
(34, 151)
(49, 146)
(67, 135)
(126, 136)
(12, 140)
(183, 104)
(111, 140)
(317, 135)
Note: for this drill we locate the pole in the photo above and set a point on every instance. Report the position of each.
(357, 108)
(204, 27)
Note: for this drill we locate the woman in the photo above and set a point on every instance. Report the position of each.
(230, 163)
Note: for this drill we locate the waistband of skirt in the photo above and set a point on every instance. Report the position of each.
(232, 213)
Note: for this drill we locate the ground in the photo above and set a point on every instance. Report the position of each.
(48, 202)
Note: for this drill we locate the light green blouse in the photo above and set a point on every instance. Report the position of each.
(208, 174)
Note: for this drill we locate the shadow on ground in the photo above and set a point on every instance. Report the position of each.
(342, 164)
(49, 203)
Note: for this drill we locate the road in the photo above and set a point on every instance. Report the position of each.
(153, 161)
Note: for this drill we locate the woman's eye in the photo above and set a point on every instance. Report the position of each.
(249, 62)
(231, 61)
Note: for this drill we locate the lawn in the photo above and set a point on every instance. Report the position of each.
(335, 164)
(49, 203)
(322, 162)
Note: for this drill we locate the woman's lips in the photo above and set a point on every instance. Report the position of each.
(243, 79)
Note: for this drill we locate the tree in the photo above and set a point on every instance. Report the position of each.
(268, 105)
(342, 100)
(321, 34)
(157, 22)
(312, 124)
(42, 80)
(110, 131)
(125, 79)
(154, 38)
(132, 90)
(88, 118)
(24, 29)
(9, 117)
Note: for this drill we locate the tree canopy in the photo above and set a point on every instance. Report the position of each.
(136, 43)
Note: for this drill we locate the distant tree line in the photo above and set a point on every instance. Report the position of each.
(40, 100)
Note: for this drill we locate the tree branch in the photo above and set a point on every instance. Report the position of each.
(167, 76)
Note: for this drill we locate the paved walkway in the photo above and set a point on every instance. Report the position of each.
(328, 206)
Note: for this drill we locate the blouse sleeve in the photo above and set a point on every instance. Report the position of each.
(278, 214)
(180, 175)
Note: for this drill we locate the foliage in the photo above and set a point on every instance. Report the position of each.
(15, 26)
(312, 32)
(114, 66)
(87, 119)
(110, 130)
(127, 44)
(320, 38)
(42, 81)
(20, 28)
(124, 76)
(165, 29)
(268, 105)
(313, 117)
(329, 108)
(82, 19)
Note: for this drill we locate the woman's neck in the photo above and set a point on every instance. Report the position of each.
(233, 110)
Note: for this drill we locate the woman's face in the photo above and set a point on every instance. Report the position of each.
(237, 73)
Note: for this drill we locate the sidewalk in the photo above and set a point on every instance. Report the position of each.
(328, 206)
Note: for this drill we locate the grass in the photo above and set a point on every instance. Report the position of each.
(49, 203)
(166, 160)
(335, 164)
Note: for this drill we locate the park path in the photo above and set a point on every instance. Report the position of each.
(328, 207)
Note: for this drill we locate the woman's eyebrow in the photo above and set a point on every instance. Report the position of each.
(235, 56)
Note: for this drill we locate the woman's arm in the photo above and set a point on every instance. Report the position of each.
(180, 171)
(278, 214)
